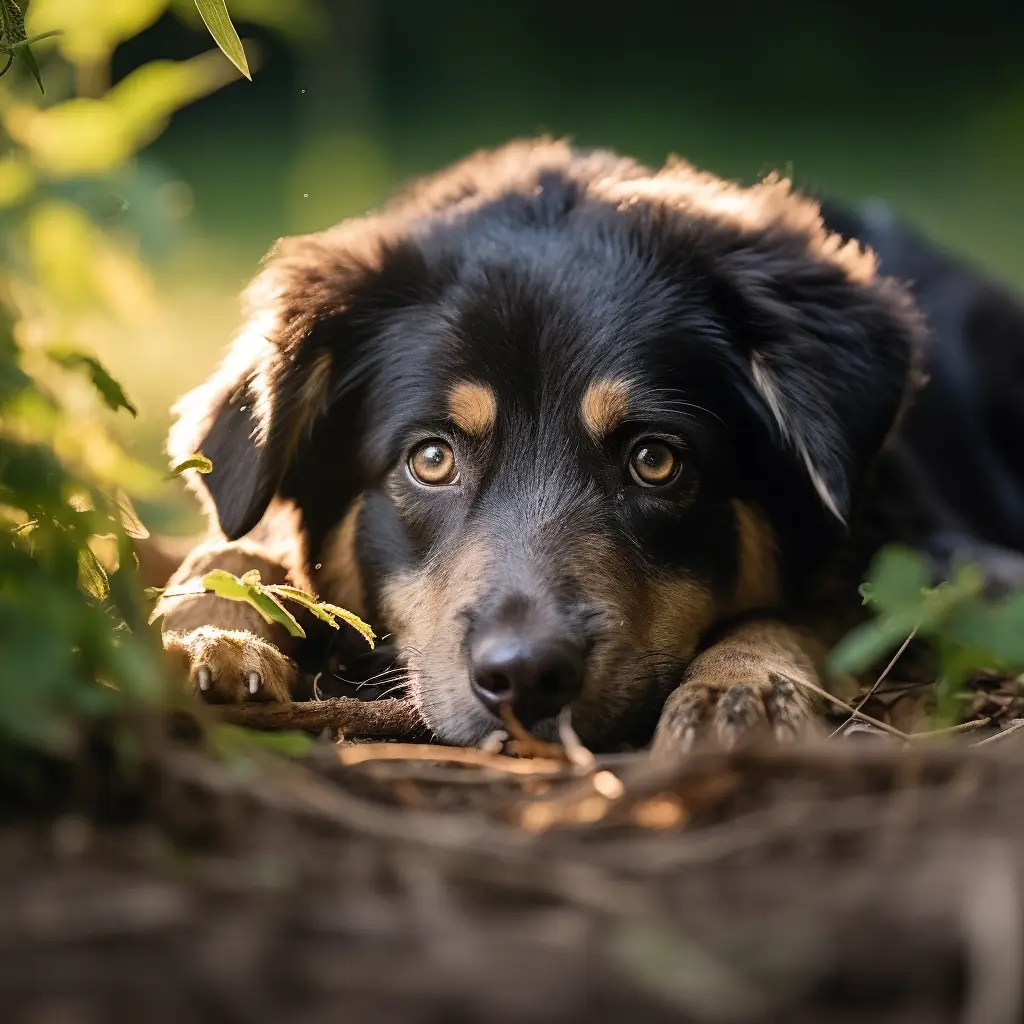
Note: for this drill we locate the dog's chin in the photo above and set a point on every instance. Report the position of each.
(455, 718)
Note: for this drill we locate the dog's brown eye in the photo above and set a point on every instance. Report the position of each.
(653, 464)
(433, 463)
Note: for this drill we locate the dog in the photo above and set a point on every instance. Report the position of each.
(573, 433)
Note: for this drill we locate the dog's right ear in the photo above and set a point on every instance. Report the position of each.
(250, 414)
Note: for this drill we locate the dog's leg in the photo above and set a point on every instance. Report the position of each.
(749, 683)
(225, 649)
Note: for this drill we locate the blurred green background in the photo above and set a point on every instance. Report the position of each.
(921, 103)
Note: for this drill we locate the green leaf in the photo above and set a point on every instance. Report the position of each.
(897, 578)
(225, 585)
(92, 575)
(215, 15)
(197, 461)
(12, 22)
(328, 613)
(111, 392)
(133, 525)
(24, 53)
(12, 26)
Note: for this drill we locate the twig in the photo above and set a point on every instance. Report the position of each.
(951, 730)
(524, 743)
(1015, 726)
(383, 718)
(453, 755)
(884, 726)
(577, 753)
(878, 682)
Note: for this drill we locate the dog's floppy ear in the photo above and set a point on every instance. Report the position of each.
(831, 348)
(248, 417)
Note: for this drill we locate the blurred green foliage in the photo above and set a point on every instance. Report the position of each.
(75, 644)
(967, 632)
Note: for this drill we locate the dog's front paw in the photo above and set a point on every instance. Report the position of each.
(230, 666)
(728, 713)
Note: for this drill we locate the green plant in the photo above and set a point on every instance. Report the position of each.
(75, 643)
(967, 632)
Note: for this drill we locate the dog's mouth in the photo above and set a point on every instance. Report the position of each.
(378, 674)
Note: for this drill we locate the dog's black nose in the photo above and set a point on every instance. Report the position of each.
(537, 675)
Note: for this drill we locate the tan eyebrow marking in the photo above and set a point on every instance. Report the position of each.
(472, 407)
(604, 406)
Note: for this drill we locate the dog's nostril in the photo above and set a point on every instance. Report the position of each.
(536, 675)
(550, 683)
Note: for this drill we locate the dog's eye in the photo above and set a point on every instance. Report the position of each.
(433, 463)
(653, 464)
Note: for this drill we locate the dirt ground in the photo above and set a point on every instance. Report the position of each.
(861, 879)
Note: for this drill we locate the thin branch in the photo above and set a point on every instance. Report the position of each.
(1014, 726)
(884, 726)
(952, 730)
(878, 682)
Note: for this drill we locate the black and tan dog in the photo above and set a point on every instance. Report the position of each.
(568, 431)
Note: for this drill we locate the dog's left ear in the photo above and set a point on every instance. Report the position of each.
(831, 349)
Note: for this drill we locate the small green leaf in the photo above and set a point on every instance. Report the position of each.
(24, 53)
(197, 461)
(215, 15)
(328, 613)
(12, 22)
(111, 392)
(225, 585)
(133, 525)
(91, 575)
(897, 578)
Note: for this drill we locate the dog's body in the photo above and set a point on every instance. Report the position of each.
(571, 433)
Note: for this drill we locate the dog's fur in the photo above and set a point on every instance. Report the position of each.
(541, 310)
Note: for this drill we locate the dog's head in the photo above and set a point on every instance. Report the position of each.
(550, 416)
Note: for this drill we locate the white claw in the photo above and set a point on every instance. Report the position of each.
(204, 677)
(689, 740)
(254, 682)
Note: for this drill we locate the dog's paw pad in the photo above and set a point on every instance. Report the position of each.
(226, 666)
(733, 713)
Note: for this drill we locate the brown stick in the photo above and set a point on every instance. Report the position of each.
(364, 752)
(384, 718)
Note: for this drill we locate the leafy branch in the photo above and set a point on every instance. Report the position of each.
(268, 598)
(15, 43)
(967, 632)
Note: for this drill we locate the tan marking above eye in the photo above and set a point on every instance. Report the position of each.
(604, 406)
(653, 463)
(472, 407)
(433, 463)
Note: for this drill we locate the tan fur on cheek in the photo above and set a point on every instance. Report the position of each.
(604, 407)
(757, 584)
(421, 610)
(645, 617)
(339, 578)
(678, 612)
(473, 408)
